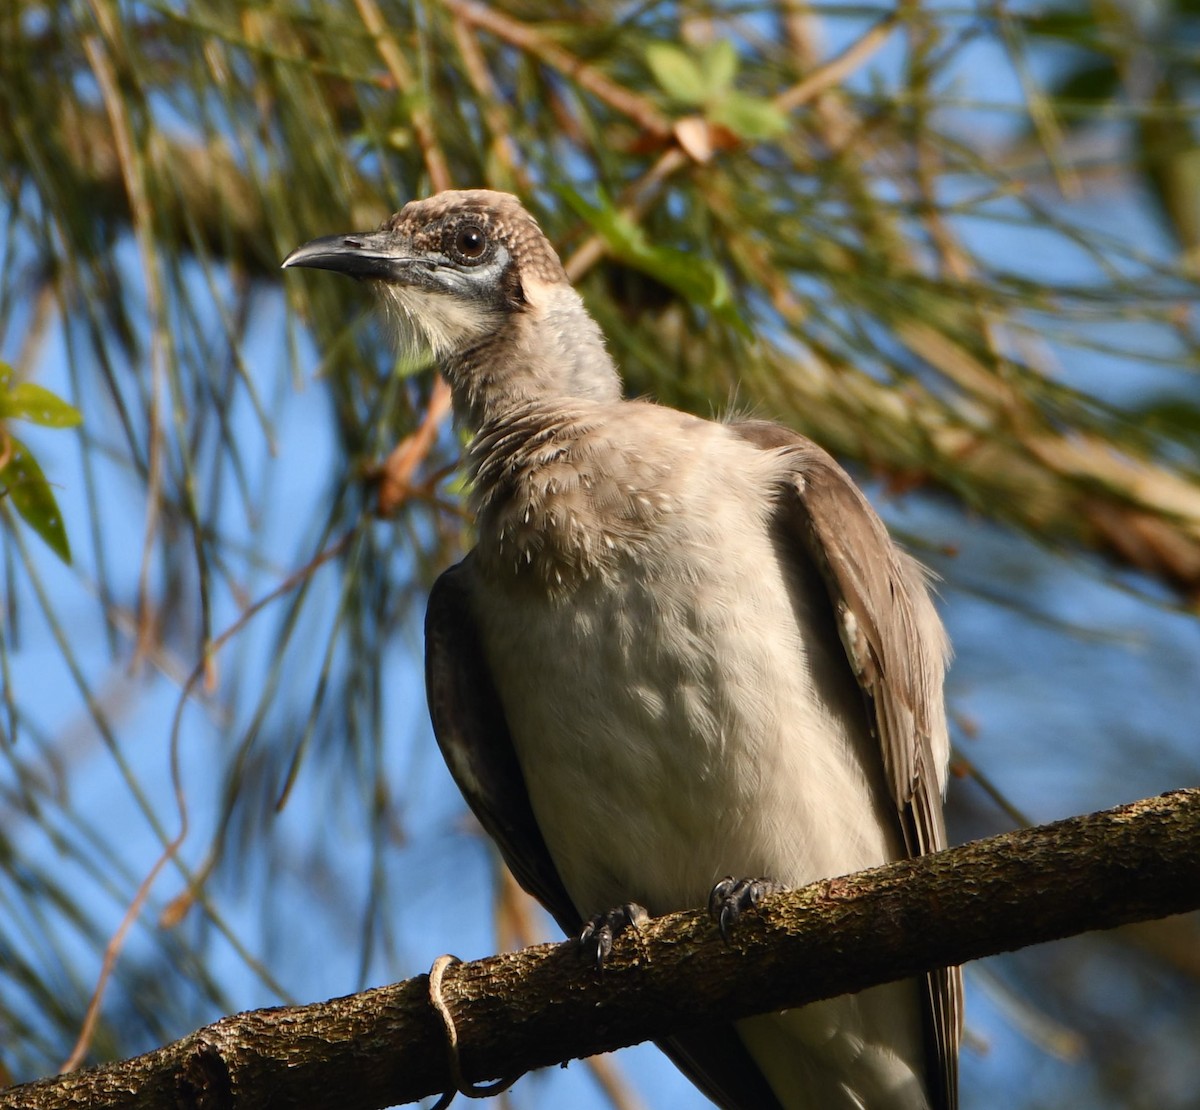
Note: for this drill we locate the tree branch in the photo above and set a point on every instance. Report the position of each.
(540, 1006)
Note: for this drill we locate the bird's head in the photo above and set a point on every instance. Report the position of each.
(469, 276)
(450, 269)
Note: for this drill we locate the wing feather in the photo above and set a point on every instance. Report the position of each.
(897, 648)
(469, 723)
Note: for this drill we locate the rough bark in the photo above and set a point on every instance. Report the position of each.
(542, 1005)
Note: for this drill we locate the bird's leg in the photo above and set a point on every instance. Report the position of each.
(731, 897)
(597, 935)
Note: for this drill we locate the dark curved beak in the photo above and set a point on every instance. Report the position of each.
(369, 255)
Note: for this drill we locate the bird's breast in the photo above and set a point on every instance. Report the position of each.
(563, 507)
(672, 693)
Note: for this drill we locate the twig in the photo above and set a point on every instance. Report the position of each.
(422, 120)
(396, 473)
(490, 100)
(637, 108)
(142, 218)
(837, 69)
(170, 850)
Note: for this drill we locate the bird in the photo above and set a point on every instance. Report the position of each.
(684, 663)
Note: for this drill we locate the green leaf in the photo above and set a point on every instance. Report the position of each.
(700, 281)
(31, 495)
(749, 117)
(677, 73)
(39, 406)
(719, 67)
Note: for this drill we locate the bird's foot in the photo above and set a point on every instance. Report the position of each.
(597, 935)
(731, 897)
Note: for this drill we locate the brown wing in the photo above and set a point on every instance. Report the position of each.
(469, 724)
(897, 648)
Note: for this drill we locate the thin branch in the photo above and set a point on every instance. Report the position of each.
(836, 70)
(639, 109)
(133, 174)
(112, 950)
(543, 1005)
(492, 104)
(440, 176)
(395, 476)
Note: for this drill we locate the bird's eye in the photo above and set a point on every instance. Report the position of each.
(468, 243)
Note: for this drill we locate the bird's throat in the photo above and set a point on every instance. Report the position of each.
(549, 353)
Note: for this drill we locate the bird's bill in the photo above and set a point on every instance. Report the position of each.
(370, 255)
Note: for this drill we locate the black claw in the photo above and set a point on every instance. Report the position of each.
(731, 897)
(597, 935)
